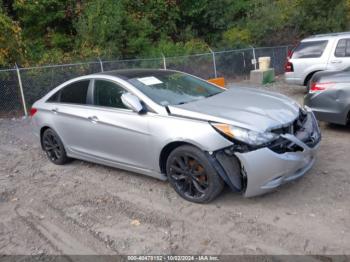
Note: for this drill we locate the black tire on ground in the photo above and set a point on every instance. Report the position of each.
(192, 176)
(308, 82)
(54, 147)
(308, 85)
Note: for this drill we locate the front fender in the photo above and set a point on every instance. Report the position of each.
(169, 129)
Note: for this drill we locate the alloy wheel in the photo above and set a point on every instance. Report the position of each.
(189, 176)
(52, 147)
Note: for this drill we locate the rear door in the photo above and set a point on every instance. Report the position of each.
(340, 55)
(117, 133)
(70, 115)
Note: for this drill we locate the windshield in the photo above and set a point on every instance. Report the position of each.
(174, 88)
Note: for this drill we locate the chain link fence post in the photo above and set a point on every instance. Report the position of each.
(164, 61)
(214, 62)
(254, 57)
(101, 64)
(21, 89)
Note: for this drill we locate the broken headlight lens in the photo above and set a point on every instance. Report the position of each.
(247, 136)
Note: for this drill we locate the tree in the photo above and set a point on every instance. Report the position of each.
(56, 31)
(11, 46)
(208, 19)
(48, 31)
(320, 16)
(107, 29)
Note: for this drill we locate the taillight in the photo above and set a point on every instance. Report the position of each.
(33, 111)
(319, 87)
(288, 67)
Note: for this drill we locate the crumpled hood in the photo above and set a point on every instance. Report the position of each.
(242, 106)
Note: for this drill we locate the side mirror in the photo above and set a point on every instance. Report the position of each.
(133, 102)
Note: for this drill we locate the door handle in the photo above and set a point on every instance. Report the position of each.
(93, 119)
(336, 61)
(54, 110)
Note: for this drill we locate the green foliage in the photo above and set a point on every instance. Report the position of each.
(11, 49)
(318, 16)
(271, 22)
(47, 28)
(236, 37)
(57, 31)
(106, 29)
(163, 16)
(170, 48)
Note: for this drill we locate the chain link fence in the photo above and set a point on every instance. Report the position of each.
(21, 87)
(200, 65)
(132, 63)
(11, 104)
(233, 65)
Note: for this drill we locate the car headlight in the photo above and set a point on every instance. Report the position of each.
(245, 135)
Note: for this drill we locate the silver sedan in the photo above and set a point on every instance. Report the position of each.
(174, 126)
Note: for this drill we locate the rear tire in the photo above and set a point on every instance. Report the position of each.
(308, 85)
(192, 176)
(308, 81)
(54, 147)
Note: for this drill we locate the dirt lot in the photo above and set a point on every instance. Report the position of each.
(83, 208)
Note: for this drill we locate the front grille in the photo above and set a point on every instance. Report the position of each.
(293, 127)
(302, 128)
(283, 145)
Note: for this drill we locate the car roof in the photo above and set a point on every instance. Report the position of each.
(326, 36)
(127, 74)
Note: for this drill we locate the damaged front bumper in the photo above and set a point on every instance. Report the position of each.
(265, 169)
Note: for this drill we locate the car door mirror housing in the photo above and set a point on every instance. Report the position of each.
(133, 102)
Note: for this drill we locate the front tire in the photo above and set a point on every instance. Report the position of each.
(54, 147)
(192, 176)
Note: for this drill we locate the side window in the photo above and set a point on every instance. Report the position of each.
(75, 93)
(343, 48)
(310, 49)
(54, 98)
(108, 94)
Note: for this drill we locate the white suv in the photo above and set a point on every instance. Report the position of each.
(317, 53)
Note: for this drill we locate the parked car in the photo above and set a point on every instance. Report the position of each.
(329, 96)
(171, 125)
(317, 53)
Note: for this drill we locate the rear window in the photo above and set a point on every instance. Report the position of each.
(75, 93)
(343, 48)
(54, 98)
(310, 49)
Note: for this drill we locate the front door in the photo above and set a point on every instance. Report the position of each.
(117, 133)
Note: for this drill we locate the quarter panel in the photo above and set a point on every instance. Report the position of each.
(331, 105)
(72, 125)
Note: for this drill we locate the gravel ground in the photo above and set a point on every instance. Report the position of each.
(83, 208)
